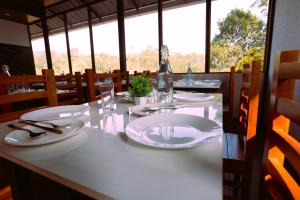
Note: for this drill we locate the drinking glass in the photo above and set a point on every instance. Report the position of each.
(106, 88)
(154, 90)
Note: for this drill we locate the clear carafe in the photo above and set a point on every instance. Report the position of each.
(5, 71)
(164, 78)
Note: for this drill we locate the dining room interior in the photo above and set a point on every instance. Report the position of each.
(149, 99)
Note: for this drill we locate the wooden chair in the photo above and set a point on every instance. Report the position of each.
(124, 79)
(236, 155)
(49, 93)
(146, 72)
(229, 109)
(69, 89)
(282, 148)
(91, 77)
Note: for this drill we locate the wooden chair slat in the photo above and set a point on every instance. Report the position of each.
(289, 70)
(22, 79)
(11, 98)
(289, 146)
(283, 178)
(289, 108)
(69, 102)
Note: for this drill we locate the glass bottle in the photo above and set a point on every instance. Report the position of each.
(5, 71)
(164, 78)
(189, 75)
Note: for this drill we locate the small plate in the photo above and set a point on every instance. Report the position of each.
(57, 112)
(22, 138)
(172, 131)
(193, 97)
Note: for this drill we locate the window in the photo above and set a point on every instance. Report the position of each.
(238, 31)
(39, 55)
(142, 43)
(106, 47)
(184, 34)
(80, 50)
(59, 56)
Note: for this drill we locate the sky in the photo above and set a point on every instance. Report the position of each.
(142, 31)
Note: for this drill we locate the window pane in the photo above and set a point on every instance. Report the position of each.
(80, 50)
(238, 31)
(184, 34)
(106, 47)
(141, 34)
(39, 55)
(59, 56)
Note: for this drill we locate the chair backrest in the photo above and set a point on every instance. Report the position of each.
(146, 72)
(69, 89)
(91, 77)
(282, 148)
(124, 79)
(48, 92)
(232, 80)
(248, 107)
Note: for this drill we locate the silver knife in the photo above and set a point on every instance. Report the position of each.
(54, 130)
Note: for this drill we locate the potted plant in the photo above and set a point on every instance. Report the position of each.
(140, 87)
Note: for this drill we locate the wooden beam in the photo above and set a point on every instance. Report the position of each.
(92, 9)
(46, 41)
(160, 28)
(121, 30)
(28, 7)
(136, 6)
(68, 43)
(207, 36)
(91, 38)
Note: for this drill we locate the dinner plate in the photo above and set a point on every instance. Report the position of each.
(57, 112)
(123, 94)
(172, 131)
(193, 97)
(22, 138)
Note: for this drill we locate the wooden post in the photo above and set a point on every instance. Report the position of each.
(46, 41)
(121, 29)
(79, 87)
(91, 38)
(90, 87)
(160, 28)
(50, 86)
(68, 43)
(207, 36)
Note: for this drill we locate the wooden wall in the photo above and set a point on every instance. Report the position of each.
(18, 58)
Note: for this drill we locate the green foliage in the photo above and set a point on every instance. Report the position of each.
(224, 55)
(140, 86)
(241, 39)
(241, 28)
(252, 54)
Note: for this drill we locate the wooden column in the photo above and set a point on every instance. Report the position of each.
(160, 28)
(121, 30)
(207, 36)
(263, 113)
(68, 43)
(46, 40)
(91, 38)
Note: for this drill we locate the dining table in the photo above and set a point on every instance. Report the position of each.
(102, 162)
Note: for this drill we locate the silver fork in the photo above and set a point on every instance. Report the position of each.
(31, 133)
(50, 123)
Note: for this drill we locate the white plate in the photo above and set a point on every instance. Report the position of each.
(124, 94)
(172, 131)
(57, 112)
(22, 138)
(193, 97)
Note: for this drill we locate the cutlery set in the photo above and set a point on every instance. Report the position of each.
(54, 127)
